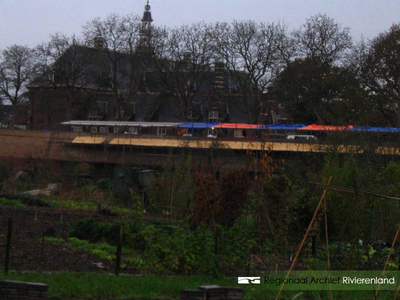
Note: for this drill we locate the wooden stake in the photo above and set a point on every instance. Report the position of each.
(347, 190)
(305, 237)
(327, 247)
(388, 258)
(8, 247)
(397, 293)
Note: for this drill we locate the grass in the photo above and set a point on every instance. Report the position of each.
(82, 205)
(94, 285)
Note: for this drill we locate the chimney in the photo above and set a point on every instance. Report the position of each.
(219, 77)
(98, 42)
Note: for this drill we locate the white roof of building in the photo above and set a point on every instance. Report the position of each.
(120, 124)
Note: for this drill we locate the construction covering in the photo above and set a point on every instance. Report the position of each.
(237, 126)
(198, 125)
(315, 127)
(88, 140)
(375, 129)
(282, 127)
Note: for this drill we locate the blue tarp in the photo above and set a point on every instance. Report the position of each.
(197, 125)
(282, 127)
(375, 129)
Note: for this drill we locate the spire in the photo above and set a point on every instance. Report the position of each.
(146, 30)
(147, 14)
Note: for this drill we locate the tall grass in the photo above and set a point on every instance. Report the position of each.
(68, 285)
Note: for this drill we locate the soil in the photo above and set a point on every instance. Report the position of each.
(29, 253)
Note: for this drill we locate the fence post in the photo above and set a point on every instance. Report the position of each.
(8, 248)
(216, 249)
(118, 254)
(42, 248)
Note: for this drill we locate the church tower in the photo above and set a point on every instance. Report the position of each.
(145, 31)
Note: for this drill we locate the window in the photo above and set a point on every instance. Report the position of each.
(133, 130)
(116, 130)
(162, 131)
(93, 129)
(50, 76)
(77, 129)
(103, 130)
(213, 116)
(234, 88)
(121, 112)
(238, 133)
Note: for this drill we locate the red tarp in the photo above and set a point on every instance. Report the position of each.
(315, 127)
(237, 126)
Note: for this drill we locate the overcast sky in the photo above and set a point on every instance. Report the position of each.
(30, 22)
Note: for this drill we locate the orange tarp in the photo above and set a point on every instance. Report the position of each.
(325, 128)
(236, 126)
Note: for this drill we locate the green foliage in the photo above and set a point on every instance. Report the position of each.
(94, 231)
(173, 187)
(74, 204)
(238, 243)
(9, 202)
(136, 213)
(54, 240)
(102, 250)
(278, 204)
(105, 184)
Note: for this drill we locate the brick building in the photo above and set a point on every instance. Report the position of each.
(83, 84)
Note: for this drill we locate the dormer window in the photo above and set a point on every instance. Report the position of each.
(213, 116)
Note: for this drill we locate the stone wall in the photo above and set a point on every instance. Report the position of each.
(14, 290)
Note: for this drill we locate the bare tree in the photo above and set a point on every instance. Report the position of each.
(18, 66)
(253, 53)
(323, 40)
(317, 81)
(378, 66)
(182, 59)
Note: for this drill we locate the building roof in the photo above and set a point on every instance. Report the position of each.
(120, 124)
(375, 129)
(197, 125)
(282, 127)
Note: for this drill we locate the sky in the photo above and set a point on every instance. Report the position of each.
(30, 22)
